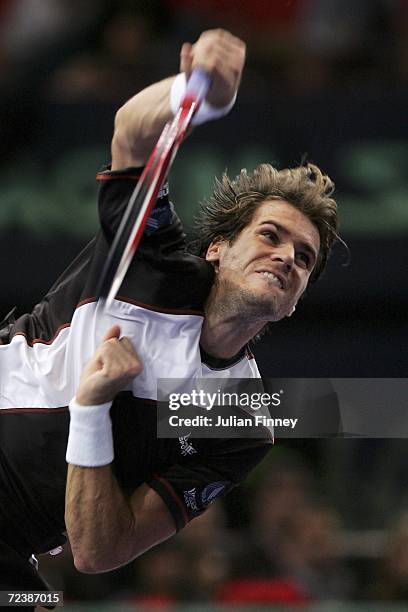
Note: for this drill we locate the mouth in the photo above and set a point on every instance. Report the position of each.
(275, 280)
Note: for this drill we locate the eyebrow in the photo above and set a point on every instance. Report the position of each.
(305, 245)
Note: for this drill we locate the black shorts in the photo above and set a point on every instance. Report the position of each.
(17, 572)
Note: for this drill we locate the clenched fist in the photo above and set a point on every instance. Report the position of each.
(113, 366)
(222, 56)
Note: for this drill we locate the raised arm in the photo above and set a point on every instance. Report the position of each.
(105, 528)
(140, 121)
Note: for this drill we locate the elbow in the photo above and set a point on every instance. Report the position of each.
(90, 558)
(119, 125)
(88, 564)
(121, 132)
(99, 562)
(120, 120)
(121, 146)
(120, 136)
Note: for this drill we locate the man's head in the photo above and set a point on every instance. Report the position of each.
(267, 234)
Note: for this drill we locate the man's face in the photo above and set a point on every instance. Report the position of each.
(266, 269)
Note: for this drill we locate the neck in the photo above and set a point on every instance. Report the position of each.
(226, 329)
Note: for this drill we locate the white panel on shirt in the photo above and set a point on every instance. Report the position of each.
(47, 375)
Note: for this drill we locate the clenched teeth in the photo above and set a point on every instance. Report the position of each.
(274, 279)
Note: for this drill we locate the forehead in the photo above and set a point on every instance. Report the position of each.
(292, 220)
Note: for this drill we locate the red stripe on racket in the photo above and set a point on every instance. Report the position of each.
(144, 196)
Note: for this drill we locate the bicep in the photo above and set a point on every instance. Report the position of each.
(153, 521)
(138, 124)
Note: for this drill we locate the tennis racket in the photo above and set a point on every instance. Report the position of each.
(145, 193)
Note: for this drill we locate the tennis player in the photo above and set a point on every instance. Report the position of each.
(263, 237)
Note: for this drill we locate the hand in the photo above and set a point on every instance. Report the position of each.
(113, 366)
(222, 55)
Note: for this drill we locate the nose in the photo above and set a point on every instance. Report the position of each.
(285, 254)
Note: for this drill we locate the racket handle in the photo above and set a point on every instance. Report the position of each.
(198, 85)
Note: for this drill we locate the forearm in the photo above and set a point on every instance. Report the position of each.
(105, 527)
(99, 519)
(139, 123)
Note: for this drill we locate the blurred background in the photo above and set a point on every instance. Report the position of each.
(326, 81)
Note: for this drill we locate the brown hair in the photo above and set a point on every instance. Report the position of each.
(233, 203)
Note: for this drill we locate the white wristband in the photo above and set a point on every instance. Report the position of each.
(206, 112)
(90, 440)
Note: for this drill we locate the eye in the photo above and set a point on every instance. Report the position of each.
(271, 236)
(304, 259)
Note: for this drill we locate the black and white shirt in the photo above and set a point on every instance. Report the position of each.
(160, 308)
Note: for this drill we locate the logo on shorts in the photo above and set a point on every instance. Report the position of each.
(185, 446)
(190, 498)
(213, 490)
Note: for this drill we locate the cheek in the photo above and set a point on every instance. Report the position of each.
(231, 262)
(303, 282)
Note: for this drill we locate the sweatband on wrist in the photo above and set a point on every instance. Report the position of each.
(90, 440)
(206, 111)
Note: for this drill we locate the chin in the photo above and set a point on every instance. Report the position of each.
(253, 303)
(260, 305)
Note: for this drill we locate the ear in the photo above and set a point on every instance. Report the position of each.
(214, 252)
(292, 311)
